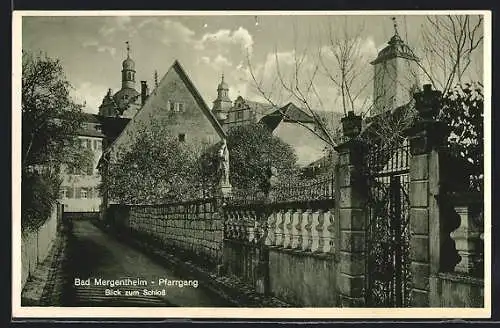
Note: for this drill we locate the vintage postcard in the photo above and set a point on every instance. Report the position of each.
(253, 164)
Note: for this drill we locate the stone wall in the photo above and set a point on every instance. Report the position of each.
(35, 245)
(283, 249)
(191, 229)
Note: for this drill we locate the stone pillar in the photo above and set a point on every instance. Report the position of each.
(427, 138)
(351, 198)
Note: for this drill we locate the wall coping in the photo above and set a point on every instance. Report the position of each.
(457, 277)
(293, 204)
(299, 252)
(303, 253)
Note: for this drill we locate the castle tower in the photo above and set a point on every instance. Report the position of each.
(396, 75)
(222, 104)
(128, 71)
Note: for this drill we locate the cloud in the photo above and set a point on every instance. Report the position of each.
(165, 30)
(100, 47)
(90, 94)
(176, 32)
(225, 37)
(115, 24)
(220, 62)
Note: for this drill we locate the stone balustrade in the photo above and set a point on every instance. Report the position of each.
(289, 227)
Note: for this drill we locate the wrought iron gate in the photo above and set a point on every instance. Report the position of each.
(388, 235)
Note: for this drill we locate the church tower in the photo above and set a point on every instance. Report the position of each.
(128, 71)
(396, 75)
(222, 104)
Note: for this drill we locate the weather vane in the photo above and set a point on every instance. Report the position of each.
(128, 48)
(395, 25)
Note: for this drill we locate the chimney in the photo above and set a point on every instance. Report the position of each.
(144, 92)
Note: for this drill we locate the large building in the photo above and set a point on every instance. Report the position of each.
(176, 104)
(127, 101)
(396, 75)
(290, 123)
(80, 188)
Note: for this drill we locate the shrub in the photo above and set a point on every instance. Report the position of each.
(40, 191)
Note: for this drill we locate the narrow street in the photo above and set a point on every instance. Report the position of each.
(94, 254)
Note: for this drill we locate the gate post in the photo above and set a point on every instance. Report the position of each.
(351, 195)
(427, 138)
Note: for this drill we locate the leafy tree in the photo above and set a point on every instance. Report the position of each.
(50, 117)
(253, 150)
(462, 109)
(50, 120)
(156, 168)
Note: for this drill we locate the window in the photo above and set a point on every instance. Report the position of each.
(239, 115)
(95, 144)
(181, 107)
(83, 193)
(172, 106)
(182, 137)
(90, 169)
(99, 144)
(63, 193)
(70, 192)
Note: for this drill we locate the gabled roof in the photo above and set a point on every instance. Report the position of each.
(287, 113)
(260, 108)
(194, 92)
(199, 100)
(102, 126)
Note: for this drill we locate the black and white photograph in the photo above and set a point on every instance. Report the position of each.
(260, 164)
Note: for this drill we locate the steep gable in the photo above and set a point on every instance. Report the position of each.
(176, 103)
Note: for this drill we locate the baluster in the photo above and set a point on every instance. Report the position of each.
(287, 229)
(279, 228)
(250, 226)
(227, 226)
(271, 228)
(234, 226)
(467, 239)
(327, 236)
(257, 232)
(306, 230)
(240, 226)
(314, 231)
(297, 229)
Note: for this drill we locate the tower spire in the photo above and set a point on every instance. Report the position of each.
(395, 24)
(128, 49)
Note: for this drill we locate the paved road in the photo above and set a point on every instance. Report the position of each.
(94, 254)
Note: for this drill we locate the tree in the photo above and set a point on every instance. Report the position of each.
(451, 48)
(450, 45)
(253, 150)
(156, 168)
(50, 118)
(462, 110)
(50, 121)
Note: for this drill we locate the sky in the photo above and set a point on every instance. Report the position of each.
(92, 48)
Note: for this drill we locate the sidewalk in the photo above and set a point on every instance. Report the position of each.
(231, 288)
(45, 286)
